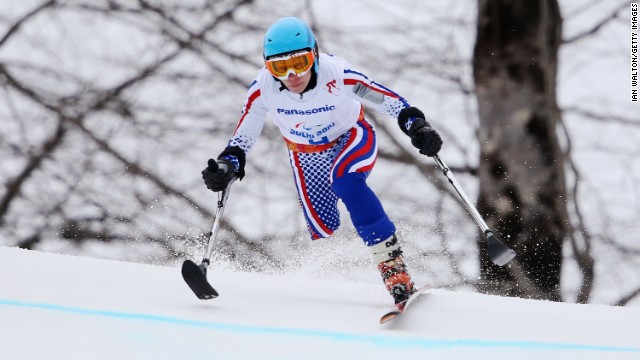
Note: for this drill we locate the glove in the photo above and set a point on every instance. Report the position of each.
(423, 136)
(218, 174)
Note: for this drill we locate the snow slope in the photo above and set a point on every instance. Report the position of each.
(64, 307)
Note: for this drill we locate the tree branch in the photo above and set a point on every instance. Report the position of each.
(596, 27)
(626, 299)
(14, 28)
(602, 117)
(14, 186)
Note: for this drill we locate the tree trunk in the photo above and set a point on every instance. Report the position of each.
(522, 178)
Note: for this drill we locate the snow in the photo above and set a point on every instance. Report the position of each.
(64, 307)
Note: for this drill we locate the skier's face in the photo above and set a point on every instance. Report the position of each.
(297, 84)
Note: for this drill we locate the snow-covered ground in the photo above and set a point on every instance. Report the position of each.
(64, 307)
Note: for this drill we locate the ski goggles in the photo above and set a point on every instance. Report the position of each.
(297, 64)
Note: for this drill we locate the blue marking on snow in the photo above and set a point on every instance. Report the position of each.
(379, 340)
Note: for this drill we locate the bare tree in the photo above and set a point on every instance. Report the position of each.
(76, 142)
(522, 176)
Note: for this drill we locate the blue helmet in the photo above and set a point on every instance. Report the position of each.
(288, 35)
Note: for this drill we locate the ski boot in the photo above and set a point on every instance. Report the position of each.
(393, 269)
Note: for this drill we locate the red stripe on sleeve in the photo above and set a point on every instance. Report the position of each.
(356, 81)
(250, 101)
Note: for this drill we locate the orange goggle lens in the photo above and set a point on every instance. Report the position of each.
(298, 64)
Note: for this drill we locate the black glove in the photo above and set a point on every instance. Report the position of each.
(218, 174)
(423, 136)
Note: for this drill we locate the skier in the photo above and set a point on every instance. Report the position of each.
(316, 101)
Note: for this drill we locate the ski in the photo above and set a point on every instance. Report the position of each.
(196, 277)
(402, 307)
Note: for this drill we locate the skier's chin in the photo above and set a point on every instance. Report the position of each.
(296, 86)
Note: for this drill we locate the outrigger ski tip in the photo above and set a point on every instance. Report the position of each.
(499, 253)
(196, 277)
